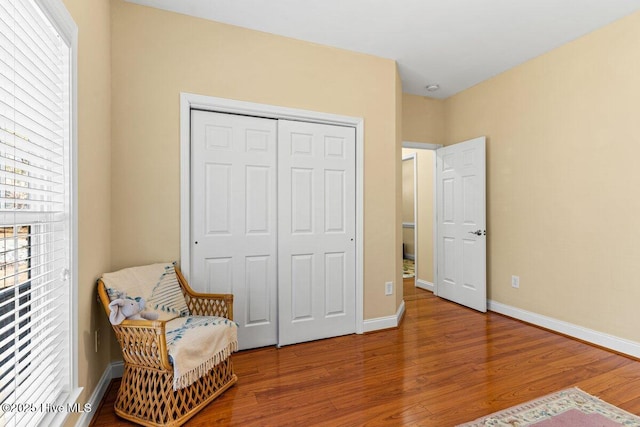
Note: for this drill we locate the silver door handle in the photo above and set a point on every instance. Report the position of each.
(479, 232)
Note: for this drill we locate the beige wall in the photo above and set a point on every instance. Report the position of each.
(408, 241)
(94, 184)
(157, 55)
(426, 186)
(562, 162)
(396, 251)
(422, 119)
(408, 211)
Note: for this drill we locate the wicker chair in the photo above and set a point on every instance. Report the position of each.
(146, 394)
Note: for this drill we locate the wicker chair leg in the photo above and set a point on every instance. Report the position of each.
(146, 396)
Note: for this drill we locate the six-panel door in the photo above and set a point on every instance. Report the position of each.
(461, 223)
(234, 218)
(316, 231)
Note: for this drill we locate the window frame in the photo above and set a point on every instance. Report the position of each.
(60, 18)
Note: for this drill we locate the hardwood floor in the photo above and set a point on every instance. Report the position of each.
(411, 292)
(444, 365)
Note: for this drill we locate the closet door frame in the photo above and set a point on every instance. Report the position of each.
(190, 101)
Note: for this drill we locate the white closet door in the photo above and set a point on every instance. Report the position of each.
(234, 218)
(316, 231)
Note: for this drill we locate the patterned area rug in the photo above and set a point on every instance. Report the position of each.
(568, 408)
(408, 268)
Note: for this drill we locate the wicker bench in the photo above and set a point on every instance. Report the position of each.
(146, 394)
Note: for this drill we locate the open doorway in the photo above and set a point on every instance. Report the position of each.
(455, 177)
(418, 206)
(409, 216)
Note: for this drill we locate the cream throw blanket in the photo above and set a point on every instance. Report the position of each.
(157, 284)
(198, 343)
(195, 343)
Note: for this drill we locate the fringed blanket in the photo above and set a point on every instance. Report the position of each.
(157, 284)
(198, 343)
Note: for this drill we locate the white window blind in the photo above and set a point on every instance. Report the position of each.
(35, 227)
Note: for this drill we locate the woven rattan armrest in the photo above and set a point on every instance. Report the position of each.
(143, 343)
(206, 304)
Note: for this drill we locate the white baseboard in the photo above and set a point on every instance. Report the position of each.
(117, 369)
(611, 342)
(400, 313)
(114, 370)
(386, 322)
(423, 284)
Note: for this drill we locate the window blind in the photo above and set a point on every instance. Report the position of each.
(34, 214)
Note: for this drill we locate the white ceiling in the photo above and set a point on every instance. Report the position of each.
(453, 43)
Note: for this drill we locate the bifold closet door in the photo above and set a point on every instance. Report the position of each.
(316, 231)
(273, 222)
(234, 218)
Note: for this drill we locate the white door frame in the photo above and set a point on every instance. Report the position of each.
(189, 101)
(432, 147)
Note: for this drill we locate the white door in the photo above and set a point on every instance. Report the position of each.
(234, 218)
(316, 231)
(461, 223)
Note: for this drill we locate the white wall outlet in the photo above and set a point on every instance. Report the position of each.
(388, 288)
(515, 281)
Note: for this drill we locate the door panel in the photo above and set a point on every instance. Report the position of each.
(257, 199)
(461, 223)
(335, 286)
(302, 292)
(217, 196)
(258, 283)
(219, 275)
(234, 218)
(301, 206)
(334, 206)
(316, 250)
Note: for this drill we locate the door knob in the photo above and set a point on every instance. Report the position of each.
(477, 232)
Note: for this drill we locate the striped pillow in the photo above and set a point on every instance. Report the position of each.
(156, 283)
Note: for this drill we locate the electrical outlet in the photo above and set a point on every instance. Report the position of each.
(515, 281)
(388, 288)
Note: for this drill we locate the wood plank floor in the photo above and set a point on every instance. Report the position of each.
(411, 292)
(444, 365)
